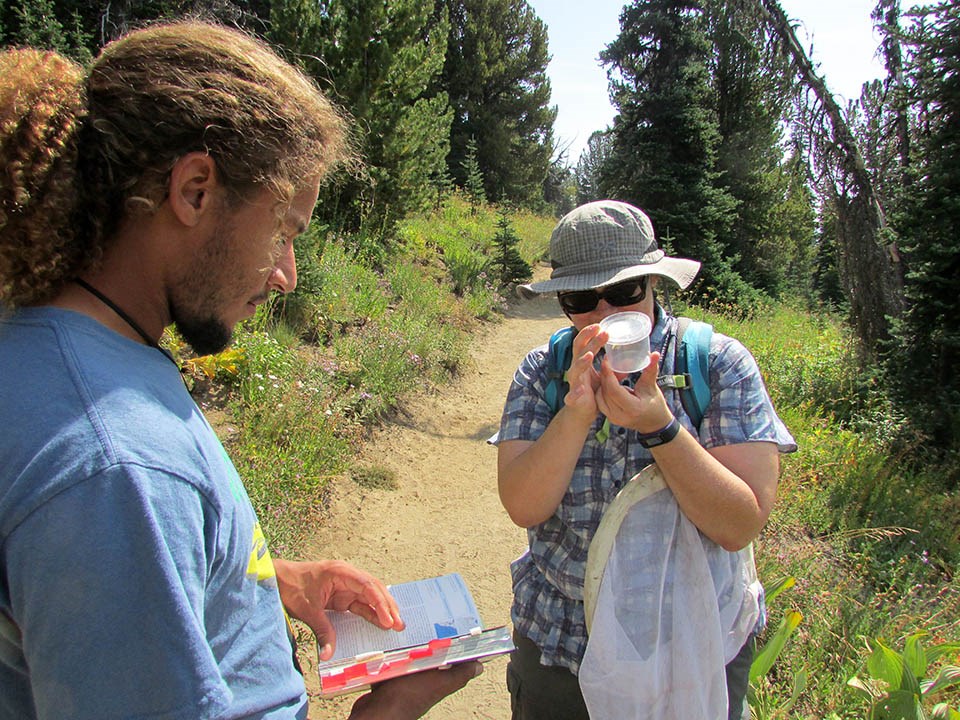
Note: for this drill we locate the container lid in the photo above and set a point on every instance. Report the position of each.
(626, 327)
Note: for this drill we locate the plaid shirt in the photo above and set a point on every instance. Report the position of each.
(548, 579)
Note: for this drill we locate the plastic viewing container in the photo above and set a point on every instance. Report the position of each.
(628, 342)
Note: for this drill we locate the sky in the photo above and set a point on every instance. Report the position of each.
(841, 32)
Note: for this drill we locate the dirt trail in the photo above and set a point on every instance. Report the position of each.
(445, 515)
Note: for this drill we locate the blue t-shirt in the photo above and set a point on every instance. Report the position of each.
(134, 579)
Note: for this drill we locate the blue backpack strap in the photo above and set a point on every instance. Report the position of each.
(559, 357)
(693, 361)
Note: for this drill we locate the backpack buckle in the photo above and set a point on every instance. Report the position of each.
(677, 382)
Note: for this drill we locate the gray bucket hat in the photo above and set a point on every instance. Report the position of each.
(603, 243)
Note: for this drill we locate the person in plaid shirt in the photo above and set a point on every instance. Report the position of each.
(556, 475)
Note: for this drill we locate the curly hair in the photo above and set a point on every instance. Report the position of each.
(38, 128)
(81, 152)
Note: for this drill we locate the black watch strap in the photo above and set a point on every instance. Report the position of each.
(660, 437)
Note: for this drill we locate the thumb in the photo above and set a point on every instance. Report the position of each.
(326, 635)
(649, 375)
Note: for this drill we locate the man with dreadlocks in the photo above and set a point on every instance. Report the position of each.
(165, 185)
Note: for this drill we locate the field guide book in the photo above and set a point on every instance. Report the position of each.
(443, 627)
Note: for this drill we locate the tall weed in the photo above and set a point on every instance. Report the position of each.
(348, 295)
(806, 362)
(453, 227)
(381, 363)
(420, 291)
(467, 267)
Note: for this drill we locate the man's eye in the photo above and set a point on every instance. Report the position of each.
(279, 244)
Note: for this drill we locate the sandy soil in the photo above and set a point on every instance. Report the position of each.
(445, 515)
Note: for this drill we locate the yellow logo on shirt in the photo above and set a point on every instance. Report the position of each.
(260, 567)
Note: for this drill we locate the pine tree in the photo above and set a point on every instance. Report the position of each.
(381, 61)
(495, 73)
(753, 89)
(665, 139)
(868, 259)
(589, 169)
(41, 24)
(560, 186)
(925, 354)
(473, 176)
(79, 28)
(509, 265)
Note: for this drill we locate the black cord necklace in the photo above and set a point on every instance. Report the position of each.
(118, 310)
(126, 318)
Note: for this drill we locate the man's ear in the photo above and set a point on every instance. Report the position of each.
(193, 180)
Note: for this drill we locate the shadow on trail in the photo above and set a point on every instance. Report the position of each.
(482, 433)
(541, 308)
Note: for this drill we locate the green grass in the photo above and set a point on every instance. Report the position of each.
(455, 229)
(872, 542)
(375, 477)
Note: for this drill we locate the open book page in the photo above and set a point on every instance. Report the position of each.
(440, 607)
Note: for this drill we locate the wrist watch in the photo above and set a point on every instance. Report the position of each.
(660, 437)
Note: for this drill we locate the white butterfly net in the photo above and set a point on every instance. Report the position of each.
(666, 608)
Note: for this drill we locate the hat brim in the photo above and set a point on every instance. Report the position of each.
(680, 270)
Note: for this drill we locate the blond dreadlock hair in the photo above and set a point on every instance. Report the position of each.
(82, 151)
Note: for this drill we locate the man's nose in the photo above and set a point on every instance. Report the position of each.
(283, 277)
(606, 308)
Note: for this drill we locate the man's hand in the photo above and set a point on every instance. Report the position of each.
(307, 589)
(409, 697)
(583, 378)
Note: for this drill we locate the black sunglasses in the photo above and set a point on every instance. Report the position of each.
(622, 294)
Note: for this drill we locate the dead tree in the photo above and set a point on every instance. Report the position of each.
(869, 264)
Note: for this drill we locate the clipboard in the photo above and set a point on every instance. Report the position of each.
(443, 627)
(362, 671)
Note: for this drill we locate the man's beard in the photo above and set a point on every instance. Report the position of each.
(205, 335)
(196, 318)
